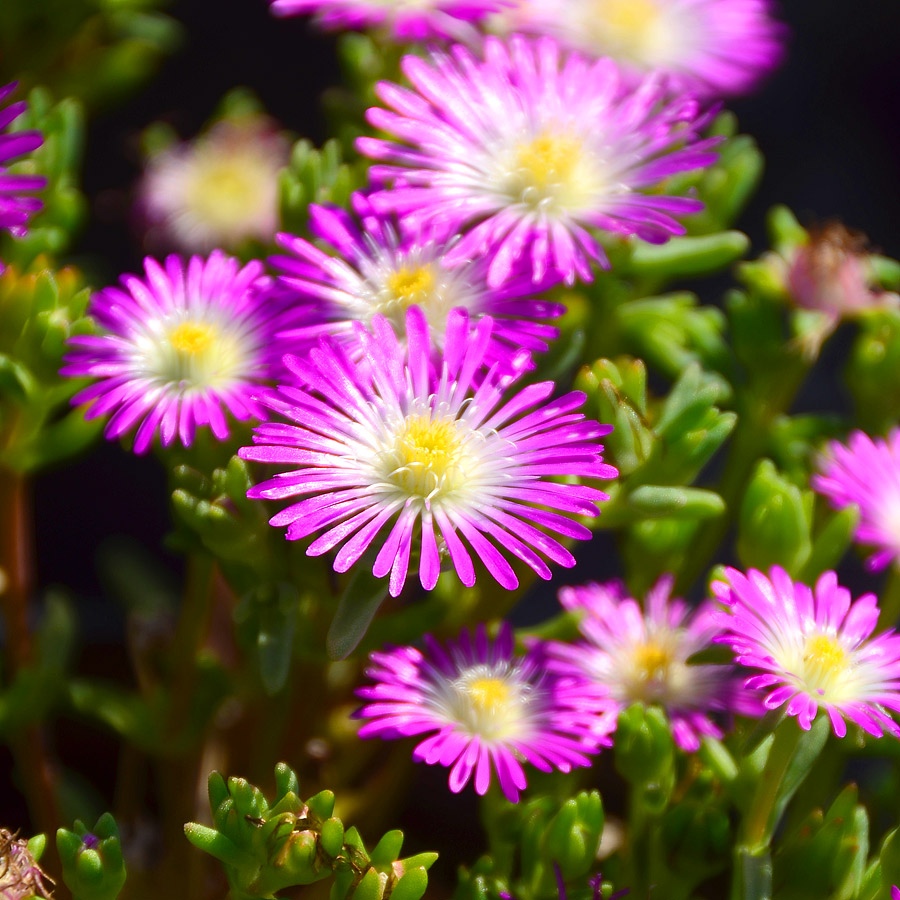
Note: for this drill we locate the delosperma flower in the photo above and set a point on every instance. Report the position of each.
(432, 453)
(16, 202)
(527, 148)
(483, 710)
(866, 472)
(412, 20)
(383, 269)
(814, 647)
(179, 349)
(712, 47)
(20, 875)
(642, 656)
(218, 190)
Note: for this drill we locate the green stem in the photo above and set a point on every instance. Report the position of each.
(759, 824)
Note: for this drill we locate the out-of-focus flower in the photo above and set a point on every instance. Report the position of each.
(20, 875)
(180, 348)
(830, 274)
(866, 472)
(714, 48)
(481, 707)
(815, 648)
(16, 202)
(525, 147)
(218, 190)
(384, 269)
(642, 656)
(412, 20)
(413, 443)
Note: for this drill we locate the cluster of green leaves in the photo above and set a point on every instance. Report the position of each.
(266, 848)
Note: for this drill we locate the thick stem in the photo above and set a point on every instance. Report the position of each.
(29, 746)
(759, 824)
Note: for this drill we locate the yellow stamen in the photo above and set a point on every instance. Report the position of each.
(487, 694)
(652, 661)
(428, 456)
(825, 657)
(223, 193)
(631, 18)
(548, 159)
(411, 285)
(192, 338)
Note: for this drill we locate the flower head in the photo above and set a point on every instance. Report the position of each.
(180, 348)
(411, 20)
(482, 708)
(20, 875)
(815, 648)
(526, 147)
(384, 268)
(641, 656)
(218, 190)
(866, 472)
(402, 441)
(830, 274)
(16, 202)
(711, 47)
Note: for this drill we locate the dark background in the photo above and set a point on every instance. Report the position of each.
(828, 123)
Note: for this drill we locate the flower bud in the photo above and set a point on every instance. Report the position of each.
(92, 863)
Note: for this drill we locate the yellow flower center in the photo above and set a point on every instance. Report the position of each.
(825, 662)
(223, 193)
(652, 661)
(487, 694)
(630, 18)
(411, 285)
(548, 159)
(428, 457)
(192, 338)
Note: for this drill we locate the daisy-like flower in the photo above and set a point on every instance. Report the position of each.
(815, 648)
(711, 47)
(383, 269)
(16, 204)
(642, 656)
(482, 707)
(412, 443)
(526, 147)
(405, 21)
(179, 349)
(866, 472)
(218, 190)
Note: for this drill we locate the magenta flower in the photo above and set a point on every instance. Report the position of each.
(714, 48)
(15, 203)
(413, 20)
(383, 269)
(866, 472)
(180, 348)
(526, 147)
(483, 707)
(404, 442)
(642, 656)
(815, 648)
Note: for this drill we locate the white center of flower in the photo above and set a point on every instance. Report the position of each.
(551, 170)
(222, 193)
(638, 31)
(654, 670)
(489, 702)
(194, 353)
(825, 666)
(428, 458)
